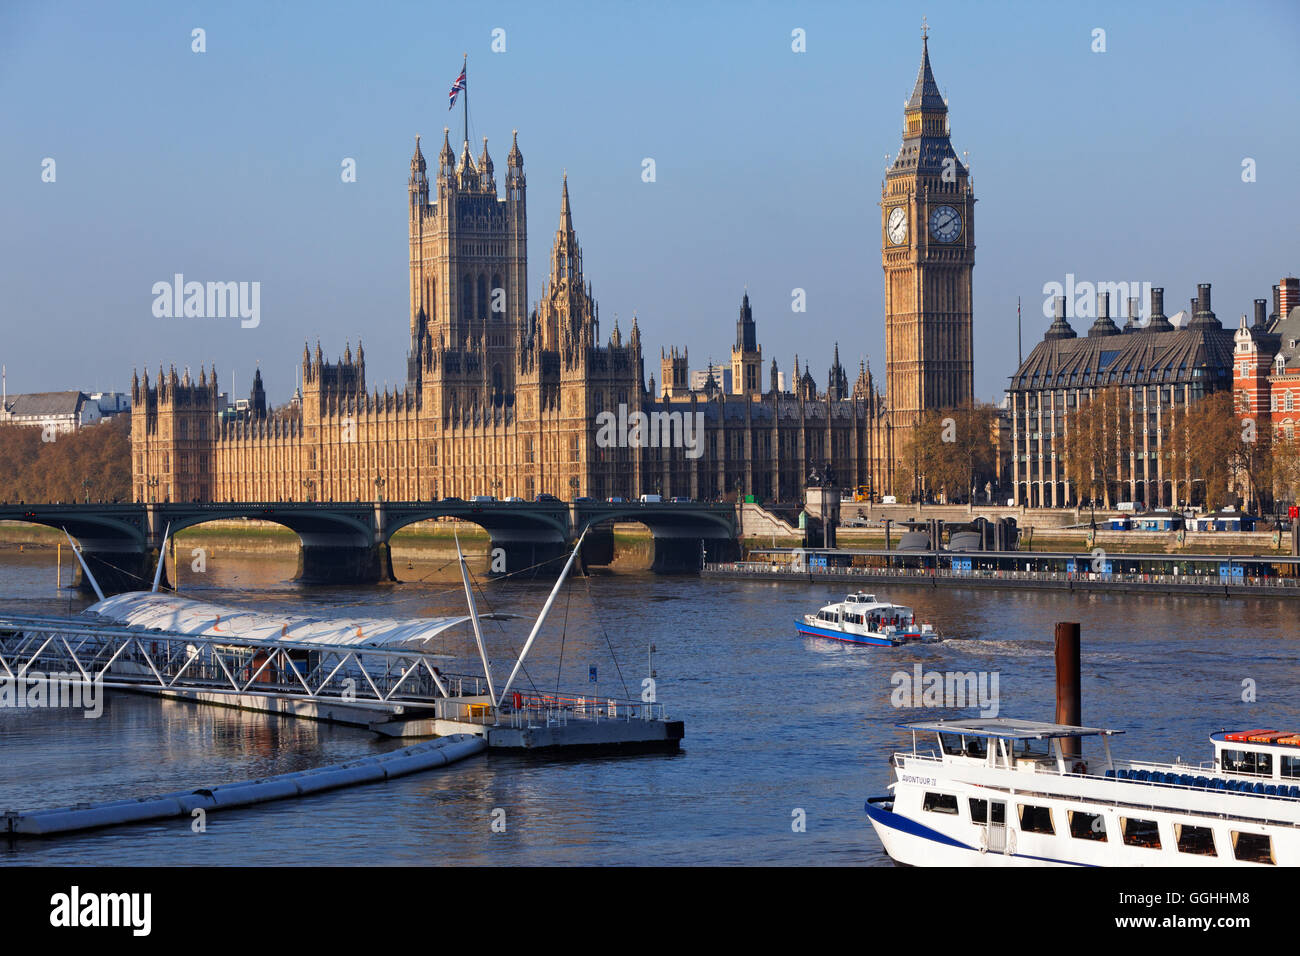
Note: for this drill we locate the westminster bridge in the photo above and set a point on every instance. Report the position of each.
(348, 543)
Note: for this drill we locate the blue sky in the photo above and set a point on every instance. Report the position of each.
(225, 165)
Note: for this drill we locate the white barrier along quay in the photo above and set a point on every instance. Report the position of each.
(398, 763)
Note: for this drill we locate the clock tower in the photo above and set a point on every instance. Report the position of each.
(927, 210)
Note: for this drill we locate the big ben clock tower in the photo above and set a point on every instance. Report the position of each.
(928, 252)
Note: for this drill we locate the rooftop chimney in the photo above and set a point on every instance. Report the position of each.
(1289, 296)
(1132, 323)
(1202, 315)
(1159, 321)
(1261, 315)
(1060, 328)
(1103, 325)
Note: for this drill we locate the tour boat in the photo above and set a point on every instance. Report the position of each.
(861, 619)
(998, 792)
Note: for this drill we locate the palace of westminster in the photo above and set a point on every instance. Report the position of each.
(503, 401)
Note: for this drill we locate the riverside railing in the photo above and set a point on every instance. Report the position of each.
(762, 568)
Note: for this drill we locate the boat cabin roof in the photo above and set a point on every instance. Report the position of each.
(1007, 728)
(860, 597)
(1272, 741)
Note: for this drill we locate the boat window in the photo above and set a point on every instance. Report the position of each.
(1035, 819)
(1087, 826)
(1031, 748)
(1253, 847)
(1144, 833)
(1290, 766)
(950, 744)
(940, 803)
(975, 747)
(1198, 840)
(979, 810)
(1248, 761)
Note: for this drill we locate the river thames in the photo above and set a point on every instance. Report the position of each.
(778, 728)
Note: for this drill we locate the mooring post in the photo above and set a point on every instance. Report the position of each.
(1068, 693)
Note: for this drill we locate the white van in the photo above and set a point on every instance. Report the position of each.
(889, 500)
(651, 499)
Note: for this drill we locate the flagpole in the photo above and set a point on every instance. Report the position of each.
(1020, 354)
(464, 68)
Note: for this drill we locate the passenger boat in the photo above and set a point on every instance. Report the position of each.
(861, 619)
(998, 792)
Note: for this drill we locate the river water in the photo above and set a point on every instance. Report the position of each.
(779, 729)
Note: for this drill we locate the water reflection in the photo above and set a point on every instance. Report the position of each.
(774, 722)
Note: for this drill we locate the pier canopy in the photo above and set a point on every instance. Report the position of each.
(168, 612)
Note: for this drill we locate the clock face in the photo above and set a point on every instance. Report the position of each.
(897, 228)
(945, 224)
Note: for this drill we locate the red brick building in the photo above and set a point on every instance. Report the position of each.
(1266, 363)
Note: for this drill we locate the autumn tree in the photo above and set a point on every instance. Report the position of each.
(951, 450)
(1098, 442)
(91, 463)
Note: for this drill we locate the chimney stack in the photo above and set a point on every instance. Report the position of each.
(1289, 296)
(1261, 314)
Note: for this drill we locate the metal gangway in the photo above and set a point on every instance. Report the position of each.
(389, 681)
(79, 650)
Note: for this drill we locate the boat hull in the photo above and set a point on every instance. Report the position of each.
(812, 630)
(914, 844)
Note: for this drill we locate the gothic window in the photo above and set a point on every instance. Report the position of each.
(482, 301)
(466, 298)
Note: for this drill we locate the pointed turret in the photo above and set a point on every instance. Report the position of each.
(487, 182)
(418, 186)
(515, 170)
(746, 333)
(446, 158)
(466, 173)
(926, 95)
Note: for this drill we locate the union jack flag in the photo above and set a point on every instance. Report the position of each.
(456, 88)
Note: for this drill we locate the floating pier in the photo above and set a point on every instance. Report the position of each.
(393, 691)
(388, 766)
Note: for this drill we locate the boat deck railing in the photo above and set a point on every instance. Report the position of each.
(397, 679)
(1172, 776)
(549, 710)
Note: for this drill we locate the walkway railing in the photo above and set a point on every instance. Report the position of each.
(81, 651)
(767, 569)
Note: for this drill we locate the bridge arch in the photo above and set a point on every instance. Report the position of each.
(682, 533)
(113, 540)
(525, 537)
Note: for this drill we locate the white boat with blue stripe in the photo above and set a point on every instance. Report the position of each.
(862, 619)
(1004, 792)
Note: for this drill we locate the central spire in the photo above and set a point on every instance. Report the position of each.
(926, 95)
